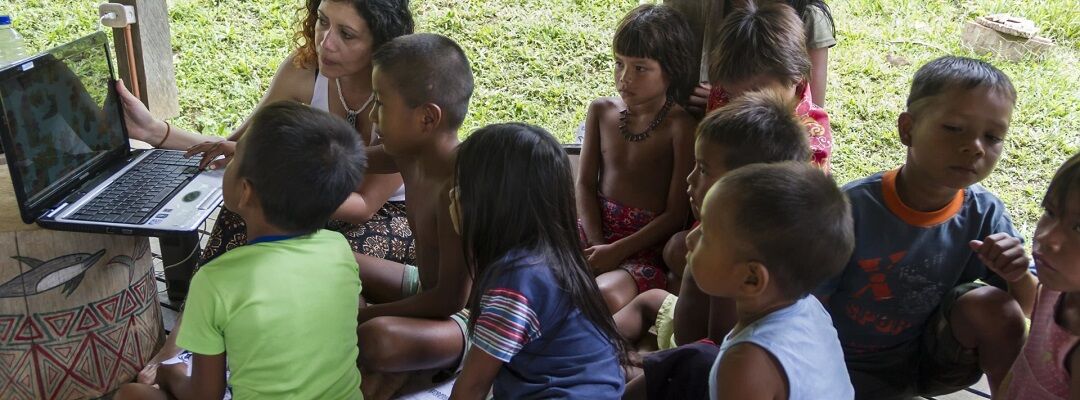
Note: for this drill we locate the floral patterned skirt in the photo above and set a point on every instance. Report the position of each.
(386, 235)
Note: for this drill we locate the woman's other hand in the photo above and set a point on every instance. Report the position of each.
(699, 100)
(210, 151)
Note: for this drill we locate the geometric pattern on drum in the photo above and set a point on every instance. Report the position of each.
(80, 352)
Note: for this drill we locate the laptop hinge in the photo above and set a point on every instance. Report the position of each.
(56, 210)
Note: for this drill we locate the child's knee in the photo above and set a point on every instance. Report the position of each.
(987, 312)
(617, 288)
(648, 303)
(653, 299)
(654, 296)
(675, 253)
(616, 281)
(127, 391)
(376, 339)
(137, 391)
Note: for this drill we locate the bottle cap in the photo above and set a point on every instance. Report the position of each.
(5, 20)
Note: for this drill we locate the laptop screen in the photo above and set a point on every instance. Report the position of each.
(61, 115)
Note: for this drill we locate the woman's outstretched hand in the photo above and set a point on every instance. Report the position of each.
(141, 125)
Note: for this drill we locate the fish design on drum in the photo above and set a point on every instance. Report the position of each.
(43, 276)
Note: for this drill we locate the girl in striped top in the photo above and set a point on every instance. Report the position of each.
(538, 325)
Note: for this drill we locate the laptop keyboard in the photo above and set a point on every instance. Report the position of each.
(134, 197)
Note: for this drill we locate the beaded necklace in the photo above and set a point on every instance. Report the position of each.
(637, 137)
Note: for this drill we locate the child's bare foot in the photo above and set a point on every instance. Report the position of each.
(633, 373)
(138, 391)
(379, 386)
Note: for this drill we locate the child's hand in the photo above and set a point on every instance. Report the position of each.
(165, 372)
(148, 374)
(1003, 254)
(602, 258)
(210, 151)
(699, 99)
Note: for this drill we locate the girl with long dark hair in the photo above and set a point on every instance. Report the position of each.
(538, 324)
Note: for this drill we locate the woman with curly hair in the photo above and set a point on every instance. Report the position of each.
(329, 70)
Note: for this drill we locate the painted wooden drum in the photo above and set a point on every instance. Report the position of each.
(78, 311)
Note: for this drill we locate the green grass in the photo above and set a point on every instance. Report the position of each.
(542, 61)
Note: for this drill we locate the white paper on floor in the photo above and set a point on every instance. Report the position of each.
(440, 392)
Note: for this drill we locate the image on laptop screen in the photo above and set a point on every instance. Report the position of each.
(62, 115)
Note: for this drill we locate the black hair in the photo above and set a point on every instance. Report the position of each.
(386, 19)
(660, 33)
(760, 126)
(429, 68)
(516, 192)
(302, 163)
(760, 37)
(1066, 180)
(795, 219)
(951, 72)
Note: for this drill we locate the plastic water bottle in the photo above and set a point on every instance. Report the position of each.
(12, 47)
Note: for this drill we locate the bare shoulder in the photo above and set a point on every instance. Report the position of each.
(294, 82)
(682, 123)
(678, 127)
(603, 104)
(604, 112)
(443, 186)
(746, 356)
(435, 189)
(749, 367)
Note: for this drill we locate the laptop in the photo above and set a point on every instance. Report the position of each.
(68, 155)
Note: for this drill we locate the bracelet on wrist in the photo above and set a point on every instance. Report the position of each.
(168, 130)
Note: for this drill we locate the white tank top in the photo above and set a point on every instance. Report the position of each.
(802, 338)
(319, 101)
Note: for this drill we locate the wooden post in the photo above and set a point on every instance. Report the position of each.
(157, 79)
(153, 56)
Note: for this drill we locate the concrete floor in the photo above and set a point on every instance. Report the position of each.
(979, 391)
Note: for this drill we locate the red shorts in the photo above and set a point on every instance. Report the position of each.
(619, 221)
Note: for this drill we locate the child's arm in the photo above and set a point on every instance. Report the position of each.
(722, 317)
(372, 194)
(748, 372)
(1074, 374)
(692, 304)
(819, 66)
(379, 162)
(207, 380)
(169, 350)
(588, 206)
(476, 376)
(1004, 255)
(452, 290)
(672, 219)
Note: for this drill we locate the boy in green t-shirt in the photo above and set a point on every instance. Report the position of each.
(283, 307)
